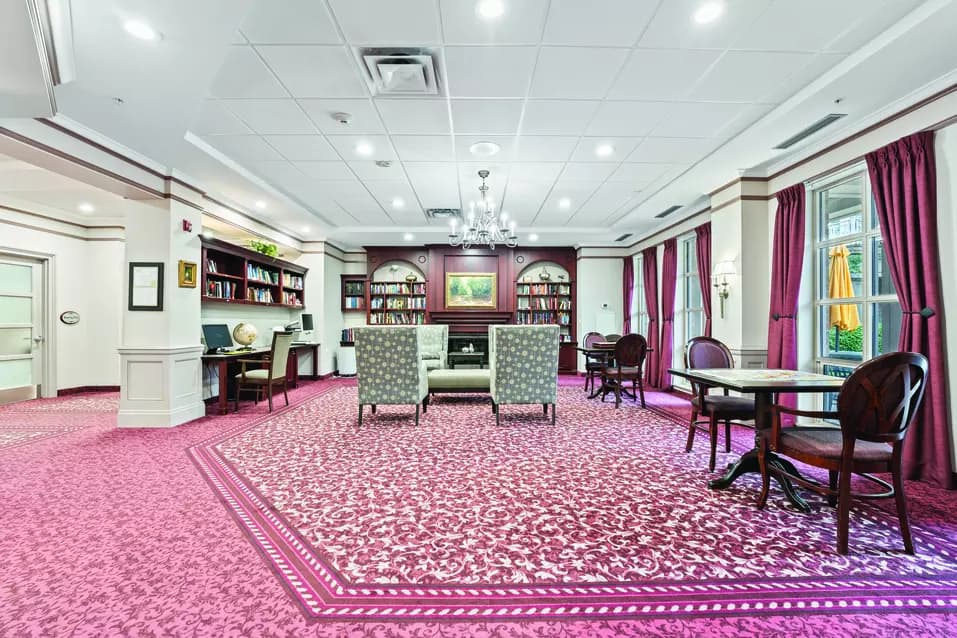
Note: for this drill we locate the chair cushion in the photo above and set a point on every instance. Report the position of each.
(733, 407)
(625, 371)
(828, 443)
(256, 376)
(431, 355)
(446, 379)
(432, 364)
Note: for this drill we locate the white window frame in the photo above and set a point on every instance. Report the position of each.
(687, 254)
(639, 309)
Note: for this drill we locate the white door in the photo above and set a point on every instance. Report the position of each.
(21, 322)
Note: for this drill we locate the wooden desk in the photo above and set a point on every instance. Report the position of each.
(223, 360)
(763, 384)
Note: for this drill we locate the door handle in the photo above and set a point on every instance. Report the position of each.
(39, 340)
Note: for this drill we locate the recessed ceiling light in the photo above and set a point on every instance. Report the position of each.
(86, 207)
(260, 204)
(364, 148)
(604, 150)
(305, 229)
(490, 9)
(564, 202)
(398, 202)
(484, 149)
(709, 12)
(533, 237)
(141, 30)
(408, 236)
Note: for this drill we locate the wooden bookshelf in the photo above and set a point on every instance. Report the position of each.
(232, 274)
(397, 303)
(547, 302)
(354, 293)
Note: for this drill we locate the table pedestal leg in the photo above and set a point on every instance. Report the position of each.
(223, 387)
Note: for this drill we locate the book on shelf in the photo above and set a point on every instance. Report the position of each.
(260, 274)
(354, 289)
(290, 298)
(211, 266)
(221, 289)
(259, 295)
(348, 335)
(379, 288)
(354, 303)
(292, 281)
(396, 318)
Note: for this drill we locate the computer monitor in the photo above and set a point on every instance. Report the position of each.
(217, 336)
(306, 319)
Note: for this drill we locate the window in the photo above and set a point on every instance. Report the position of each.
(639, 310)
(856, 312)
(689, 315)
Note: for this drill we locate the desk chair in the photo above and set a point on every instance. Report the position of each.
(594, 363)
(263, 380)
(630, 352)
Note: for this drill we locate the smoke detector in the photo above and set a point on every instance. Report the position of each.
(342, 118)
(401, 71)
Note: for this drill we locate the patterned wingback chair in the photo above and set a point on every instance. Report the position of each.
(389, 368)
(434, 343)
(523, 362)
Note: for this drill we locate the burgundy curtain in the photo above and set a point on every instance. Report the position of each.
(703, 249)
(669, 282)
(627, 289)
(904, 182)
(649, 274)
(786, 264)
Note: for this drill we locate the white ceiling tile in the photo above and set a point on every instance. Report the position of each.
(489, 71)
(520, 24)
(798, 26)
(244, 75)
(364, 120)
(422, 117)
(315, 71)
(673, 26)
(544, 148)
(627, 118)
(576, 192)
(435, 183)
(637, 173)
(698, 119)
(289, 22)
(606, 200)
(244, 148)
(388, 22)
(328, 170)
(621, 147)
(597, 22)
(369, 171)
(574, 72)
(347, 145)
(872, 20)
(746, 76)
(587, 171)
(424, 148)
(557, 117)
(486, 117)
(469, 180)
(661, 74)
(271, 117)
(523, 199)
(302, 147)
(672, 150)
(276, 172)
(214, 119)
(535, 171)
(385, 192)
(463, 142)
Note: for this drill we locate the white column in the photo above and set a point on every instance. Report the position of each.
(160, 367)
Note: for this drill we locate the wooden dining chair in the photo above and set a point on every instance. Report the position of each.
(612, 337)
(705, 352)
(262, 381)
(630, 352)
(594, 363)
(875, 408)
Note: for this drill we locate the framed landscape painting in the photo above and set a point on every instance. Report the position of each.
(470, 290)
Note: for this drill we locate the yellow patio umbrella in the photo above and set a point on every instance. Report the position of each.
(839, 286)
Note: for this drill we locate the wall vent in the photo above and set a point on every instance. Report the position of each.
(443, 213)
(667, 211)
(825, 121)
(401, 71)
(623, 237)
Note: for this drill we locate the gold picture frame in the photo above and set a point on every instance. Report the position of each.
(471, 290)
(187, 274)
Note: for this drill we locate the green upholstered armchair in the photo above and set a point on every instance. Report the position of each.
(434, 344)
(389, 368)
(523, 362)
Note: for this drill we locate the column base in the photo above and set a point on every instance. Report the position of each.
(160, 387)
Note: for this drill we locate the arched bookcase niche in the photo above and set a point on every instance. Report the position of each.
(393, 299)
(545, 294)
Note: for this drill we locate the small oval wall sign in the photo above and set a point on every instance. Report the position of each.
(70, 317)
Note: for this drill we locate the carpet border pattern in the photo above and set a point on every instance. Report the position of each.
(322, 594)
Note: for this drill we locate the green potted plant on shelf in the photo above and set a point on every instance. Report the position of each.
(264, 248)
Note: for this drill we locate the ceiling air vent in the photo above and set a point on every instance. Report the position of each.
(825, 121)
(623, 237)
(396, 71)
(667, 211)
(443, 213)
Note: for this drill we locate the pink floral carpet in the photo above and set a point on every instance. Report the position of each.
(299, 524)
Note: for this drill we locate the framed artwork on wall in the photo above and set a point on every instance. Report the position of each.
(471, 290)
(187, 274)
(146, 285)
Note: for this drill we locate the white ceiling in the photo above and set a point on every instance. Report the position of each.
(549, 81)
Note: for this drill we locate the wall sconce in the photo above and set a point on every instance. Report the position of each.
(724, 272)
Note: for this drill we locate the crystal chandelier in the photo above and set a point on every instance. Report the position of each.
(484, 227)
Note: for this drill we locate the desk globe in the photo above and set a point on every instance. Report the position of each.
(244, 334)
